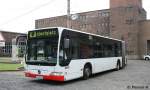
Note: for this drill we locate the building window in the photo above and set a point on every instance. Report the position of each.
(103, 14)
(7, 49)
(83, 17)
(83, 26)
(129, 8)
(129, 21)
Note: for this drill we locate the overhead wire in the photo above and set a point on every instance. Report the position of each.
(26, 13)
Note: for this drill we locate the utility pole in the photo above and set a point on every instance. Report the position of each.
(68, 13)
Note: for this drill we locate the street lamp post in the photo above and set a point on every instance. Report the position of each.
(68, 13)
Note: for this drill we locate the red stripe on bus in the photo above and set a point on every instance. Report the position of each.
(45, 77)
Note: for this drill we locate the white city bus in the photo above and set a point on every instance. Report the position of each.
(63, 54)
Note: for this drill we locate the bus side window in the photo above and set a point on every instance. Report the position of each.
(74, 50)
(62, 55)
(85, 51)
(117, 50)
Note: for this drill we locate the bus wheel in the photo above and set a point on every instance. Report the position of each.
(118, 66)
(86, 72)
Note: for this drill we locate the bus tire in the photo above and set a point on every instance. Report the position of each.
(117, 66)
(87, 72)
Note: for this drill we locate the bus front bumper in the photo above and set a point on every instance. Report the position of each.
(45, 77)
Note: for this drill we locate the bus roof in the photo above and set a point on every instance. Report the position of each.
(80, 32)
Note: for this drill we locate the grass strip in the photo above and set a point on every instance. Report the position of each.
(9, 67)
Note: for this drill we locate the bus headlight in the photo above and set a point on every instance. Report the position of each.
(57, 73)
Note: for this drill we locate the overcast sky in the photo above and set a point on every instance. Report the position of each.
(20, 15)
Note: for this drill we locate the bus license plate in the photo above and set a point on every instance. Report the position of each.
(39, 77)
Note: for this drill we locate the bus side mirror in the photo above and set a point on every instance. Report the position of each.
(66, 43)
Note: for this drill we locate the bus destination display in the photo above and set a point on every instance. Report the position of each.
(42, 33)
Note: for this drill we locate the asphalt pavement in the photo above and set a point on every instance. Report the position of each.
(135, 76)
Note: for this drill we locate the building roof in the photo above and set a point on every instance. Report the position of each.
(8, 36)
(1, 37)
(10, 32)
(80, 13)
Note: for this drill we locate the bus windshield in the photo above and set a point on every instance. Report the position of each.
(42, 51)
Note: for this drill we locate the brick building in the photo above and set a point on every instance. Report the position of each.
(94, 22)
(126, 20)
(6, 42)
